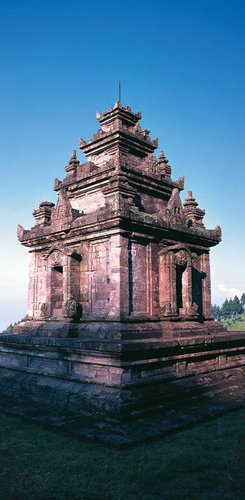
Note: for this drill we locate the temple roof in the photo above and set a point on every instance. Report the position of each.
(122, 180)
(125, 114)
(120, 131)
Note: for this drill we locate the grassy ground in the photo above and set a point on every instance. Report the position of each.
(236, 324)
(202, 463)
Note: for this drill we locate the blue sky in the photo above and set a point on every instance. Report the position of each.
(180, 62)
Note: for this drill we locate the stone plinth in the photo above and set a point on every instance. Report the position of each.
(121, 392)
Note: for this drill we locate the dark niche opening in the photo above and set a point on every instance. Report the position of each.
(76, 256)
(179, 294)
(138, 203)
(197, 278)
(57, 291)
(59, 269)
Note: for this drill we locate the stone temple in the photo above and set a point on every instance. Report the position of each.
(119, 247)
(119, 314)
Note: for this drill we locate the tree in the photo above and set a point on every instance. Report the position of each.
(216, 312)
(230, 308)
(236, 306)
(242, 300)
(9, 329)
(225, 309)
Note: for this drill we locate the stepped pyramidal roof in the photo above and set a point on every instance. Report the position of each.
(120, 159)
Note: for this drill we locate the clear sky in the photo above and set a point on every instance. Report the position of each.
(181, 63)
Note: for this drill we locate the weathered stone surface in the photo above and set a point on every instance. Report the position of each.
(119, 245)
(125, 391)
(119, 342)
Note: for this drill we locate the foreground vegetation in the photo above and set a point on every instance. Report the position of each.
(202, 463)
(236, 324)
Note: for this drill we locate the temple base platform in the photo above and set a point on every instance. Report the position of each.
(122, 391)
(123, 329)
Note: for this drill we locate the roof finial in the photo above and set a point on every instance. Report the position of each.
(73, 163)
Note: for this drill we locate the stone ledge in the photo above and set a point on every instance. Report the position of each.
(120, 363)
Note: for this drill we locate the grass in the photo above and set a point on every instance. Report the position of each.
(202, 463)
(236, 324)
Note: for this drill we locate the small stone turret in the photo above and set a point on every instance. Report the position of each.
(193, 213)
(71, 168)
(164, 167)
(43, 214)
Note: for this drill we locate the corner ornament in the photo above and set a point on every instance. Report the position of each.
(20, 232)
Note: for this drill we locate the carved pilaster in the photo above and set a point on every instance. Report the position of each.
(206, 286)
(172, 275)
(189, 310)
(184, 261)
(167, 284)
(67, 287)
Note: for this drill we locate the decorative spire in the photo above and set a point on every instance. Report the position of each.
(193, 213)
(164, 166)
(44, 213)
(190, 201)
(73, 156)
(73, 164)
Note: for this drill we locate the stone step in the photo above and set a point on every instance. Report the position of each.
(218, 388)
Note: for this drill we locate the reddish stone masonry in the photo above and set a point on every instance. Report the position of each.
(119, 342)
(119, 245)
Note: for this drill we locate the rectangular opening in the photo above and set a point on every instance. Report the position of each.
(179, 273)
(57, 291)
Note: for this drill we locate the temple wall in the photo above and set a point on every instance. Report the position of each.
(38, 286)
(206, 287)
(100, 278)
(75, 279)
(100, 281)
(114, 278)
(88, 202)
(125, 297)
(139, 278)
(119, 277)
(154, 278)
(152, 204)
(92, 201)
(54, 284)
(85, 281)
